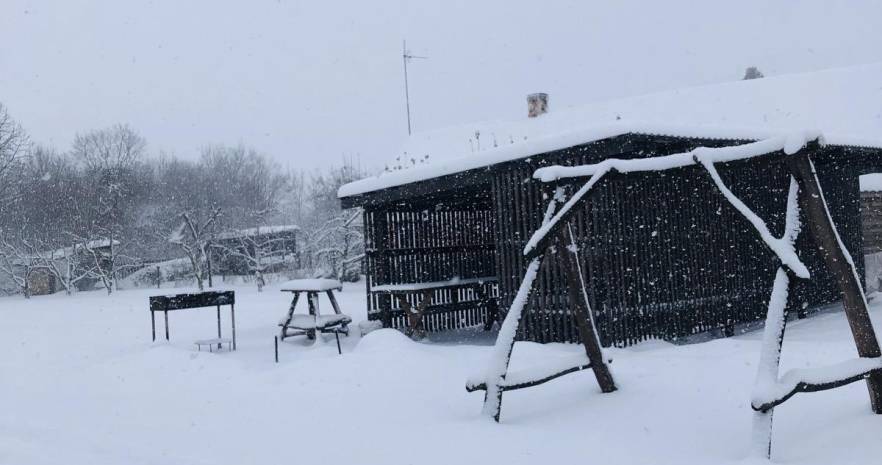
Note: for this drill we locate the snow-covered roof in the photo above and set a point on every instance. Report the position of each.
(259, 230)
(90, 245)
(845, 104)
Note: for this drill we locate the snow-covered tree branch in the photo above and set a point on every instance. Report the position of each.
(193, 237)
(18, 260)
(258, 251)
(338, 245)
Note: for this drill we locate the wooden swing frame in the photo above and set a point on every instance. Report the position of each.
(810, 199)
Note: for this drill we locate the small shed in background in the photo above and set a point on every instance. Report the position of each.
(278, 246)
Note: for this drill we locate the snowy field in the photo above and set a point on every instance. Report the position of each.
(82, 383)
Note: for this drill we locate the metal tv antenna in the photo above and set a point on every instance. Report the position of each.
(406, 57)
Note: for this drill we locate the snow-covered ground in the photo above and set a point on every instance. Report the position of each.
(82, 383)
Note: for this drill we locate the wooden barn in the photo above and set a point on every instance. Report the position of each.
(663, 255)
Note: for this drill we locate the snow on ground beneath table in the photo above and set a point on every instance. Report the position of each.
(83, 384)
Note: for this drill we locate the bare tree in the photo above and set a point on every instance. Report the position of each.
(18, 261)
(194, 239)
(257, 250)
(113, 149)
(338, 245)
(242, 181)
(66, 266)
(104, 258)
(14, 144)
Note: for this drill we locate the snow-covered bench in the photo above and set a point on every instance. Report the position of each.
(309, 324)
(219, 341)
(414, 314)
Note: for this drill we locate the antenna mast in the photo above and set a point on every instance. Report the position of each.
(406, 57)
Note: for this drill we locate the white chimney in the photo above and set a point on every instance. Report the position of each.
(537, 104)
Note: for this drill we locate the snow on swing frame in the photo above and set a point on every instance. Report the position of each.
(769, 390)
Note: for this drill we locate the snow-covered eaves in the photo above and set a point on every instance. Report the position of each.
(844, 104)
(90, 245)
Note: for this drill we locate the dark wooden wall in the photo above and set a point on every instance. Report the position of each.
(871, 217)
(429, 241)
(664, 255)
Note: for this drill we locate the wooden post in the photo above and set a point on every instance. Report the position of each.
(382, 265)
(823, 231)
(580, 307)
(333, 302)
(233, 322)
(291, 309)
(218, 327)
(312, 300)
(208, 259)
(276, 345)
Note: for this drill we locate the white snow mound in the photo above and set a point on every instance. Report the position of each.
(384, 340)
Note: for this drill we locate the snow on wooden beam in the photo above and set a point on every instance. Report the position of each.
(813, 380)
(413, 287)
(705, 156)
(788, 143)
(511, 386)
(534, 376)
(782, 247)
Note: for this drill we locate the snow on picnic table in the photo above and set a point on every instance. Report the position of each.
(83, 384)
(315, 284)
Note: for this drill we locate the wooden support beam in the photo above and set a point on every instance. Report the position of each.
(414, 316)
(566, 253)
(805, 386)
(526, 384)
(825, 236)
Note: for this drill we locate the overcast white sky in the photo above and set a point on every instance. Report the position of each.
(308, 82)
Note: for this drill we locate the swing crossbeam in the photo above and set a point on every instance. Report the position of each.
(816, 380)
(514, 382)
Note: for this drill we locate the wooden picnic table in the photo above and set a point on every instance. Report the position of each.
(299, 324)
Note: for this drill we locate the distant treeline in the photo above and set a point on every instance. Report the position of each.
(107, 186)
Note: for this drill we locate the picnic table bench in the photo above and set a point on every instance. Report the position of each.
(220, 341)
(167, 303)
(414, 315)
(308, 324)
